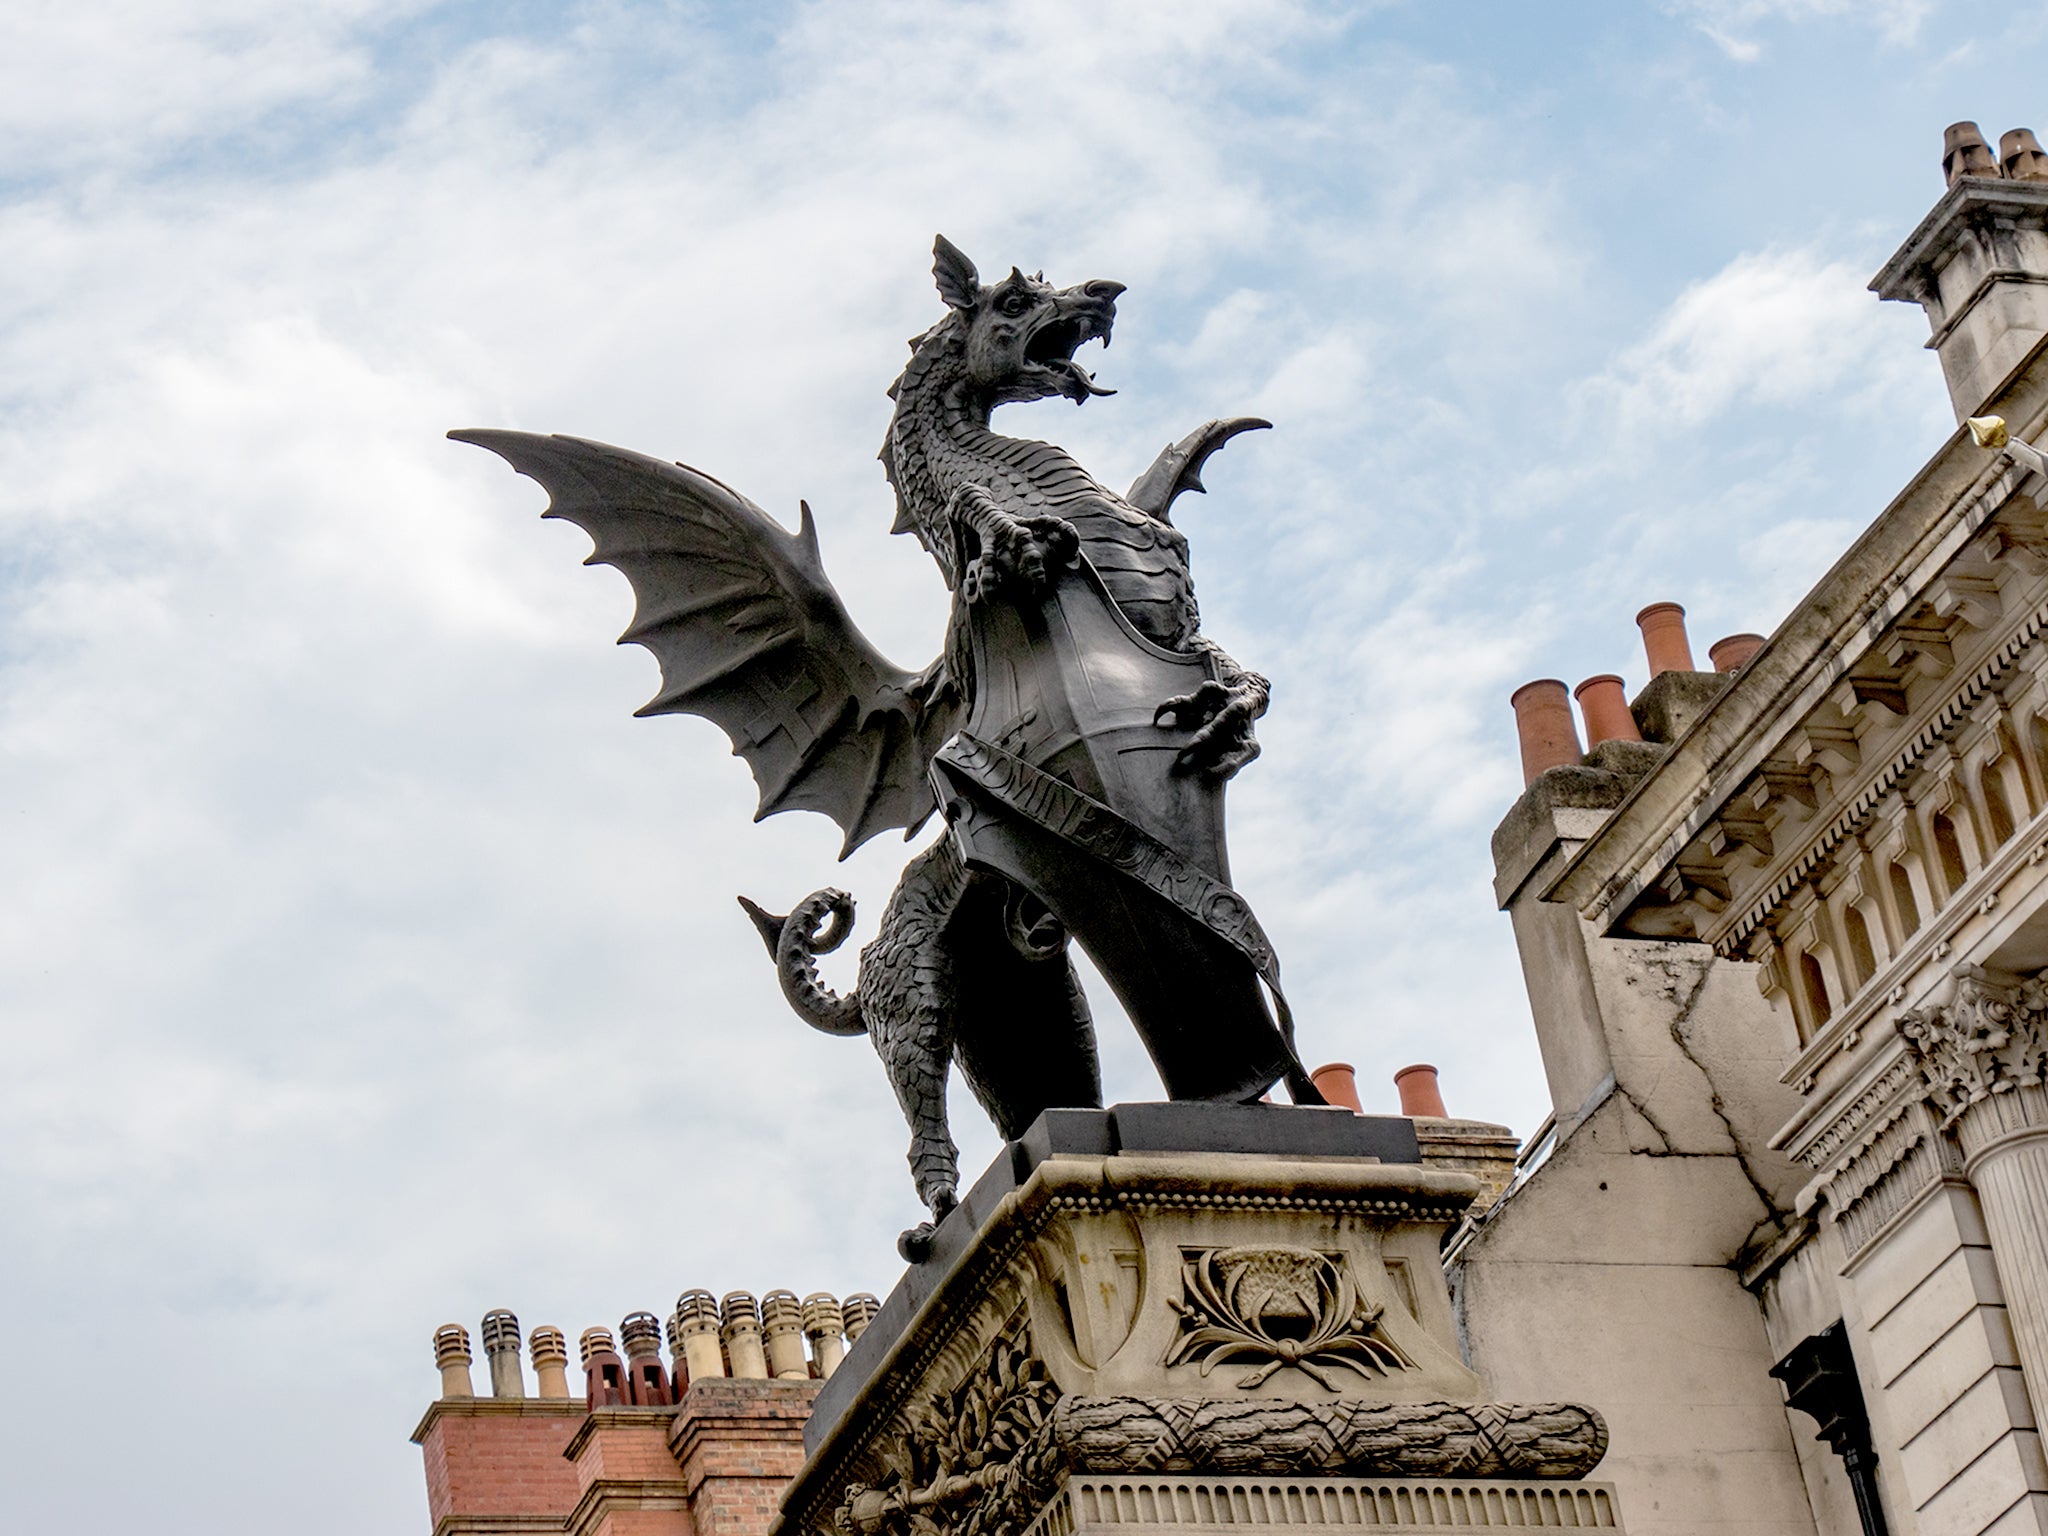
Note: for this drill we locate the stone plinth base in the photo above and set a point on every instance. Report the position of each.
(1225, 1331)
(1132, 1506)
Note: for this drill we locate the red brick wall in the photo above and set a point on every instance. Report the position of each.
(493, 1456)
(715, 1466)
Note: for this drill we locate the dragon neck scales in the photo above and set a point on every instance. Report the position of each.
(940, 441)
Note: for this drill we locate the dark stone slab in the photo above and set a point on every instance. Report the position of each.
(1272, 1130)
(1275, 1130)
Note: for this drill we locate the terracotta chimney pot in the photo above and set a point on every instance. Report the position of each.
(1339, 1085)
(646, 1382)
(859, 1310)
(1732, 653)
(1419, 1093)
(695, 1322)
(604, 1373)
(739, 1325)
(1604, 702)
(501, 1348)
(825, 1327)
(1664, 642)
(1543, 720)
(550, 1351)
(1964, 153)
(2020, 153)
(782, 1329)
(452, 1357)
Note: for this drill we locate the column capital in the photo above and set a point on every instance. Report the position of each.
(1986, 1038)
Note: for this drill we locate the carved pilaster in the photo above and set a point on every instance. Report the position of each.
(1983, 1061)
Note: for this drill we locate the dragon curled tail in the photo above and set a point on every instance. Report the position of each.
(818, 926)
(1003, 1025)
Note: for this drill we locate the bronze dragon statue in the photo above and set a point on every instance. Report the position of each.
(1076, 729)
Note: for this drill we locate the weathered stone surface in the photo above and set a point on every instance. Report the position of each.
(1175, 1313)
(1262, 1129)
(1629, 759)
(1671, 701)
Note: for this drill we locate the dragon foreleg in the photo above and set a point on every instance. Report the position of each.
(1009, 551)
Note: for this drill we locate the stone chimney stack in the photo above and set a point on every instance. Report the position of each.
(1978, 264)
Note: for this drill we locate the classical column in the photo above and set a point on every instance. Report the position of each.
(1983, 1056)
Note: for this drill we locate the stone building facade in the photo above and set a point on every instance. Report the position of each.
(1784, 926)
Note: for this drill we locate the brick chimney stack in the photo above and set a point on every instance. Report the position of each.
(1978, 264)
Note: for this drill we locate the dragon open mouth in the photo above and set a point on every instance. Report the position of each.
(1052, 346)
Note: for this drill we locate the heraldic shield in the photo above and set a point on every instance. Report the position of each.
(1060, 781)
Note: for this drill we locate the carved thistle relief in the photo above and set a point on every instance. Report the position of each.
(1276, 1307)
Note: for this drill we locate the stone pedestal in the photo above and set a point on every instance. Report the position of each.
(1135, 1336)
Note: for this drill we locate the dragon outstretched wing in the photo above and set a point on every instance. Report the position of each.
(749, 633)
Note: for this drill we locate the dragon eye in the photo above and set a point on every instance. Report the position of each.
(1014, 304)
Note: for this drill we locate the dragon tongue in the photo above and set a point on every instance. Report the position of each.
(1080, 385)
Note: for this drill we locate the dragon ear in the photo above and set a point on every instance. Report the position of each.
(959, 283)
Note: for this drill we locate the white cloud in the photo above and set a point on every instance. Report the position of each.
(118, 80)
(1780, 329)
(1733, 25)
(367, 964)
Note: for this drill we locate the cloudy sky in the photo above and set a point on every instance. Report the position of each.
(367, 966)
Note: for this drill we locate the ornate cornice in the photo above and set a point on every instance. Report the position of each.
(1856, 814)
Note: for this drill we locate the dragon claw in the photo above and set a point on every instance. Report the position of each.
(1021, 552)
(1222, 715)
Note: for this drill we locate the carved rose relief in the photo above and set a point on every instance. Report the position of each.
(1278, 1307)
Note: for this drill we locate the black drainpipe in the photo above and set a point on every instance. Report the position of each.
(1820, 1381)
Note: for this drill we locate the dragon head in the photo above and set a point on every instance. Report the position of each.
(1017, 337)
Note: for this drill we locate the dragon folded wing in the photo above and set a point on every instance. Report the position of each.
(749, 633)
